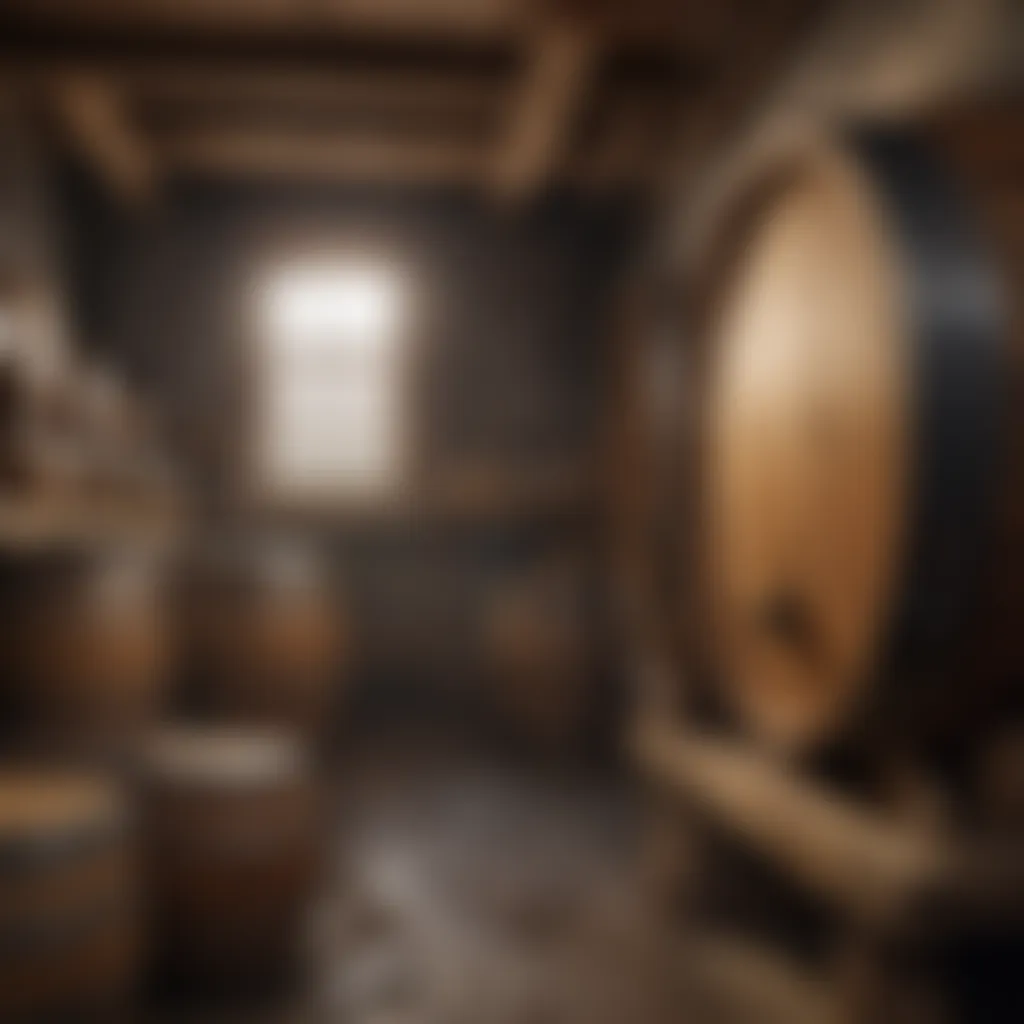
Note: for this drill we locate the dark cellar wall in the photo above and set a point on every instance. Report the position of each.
(513, 306)
(517, 305)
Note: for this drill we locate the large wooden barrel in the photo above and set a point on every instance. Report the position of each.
(233, 846)
(264, 635)
(69, 924)
(85, 639)
(861, 462)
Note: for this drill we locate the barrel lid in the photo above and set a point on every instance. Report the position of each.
(854, 421)
(220, 757)
(808, 450)
(54, 814)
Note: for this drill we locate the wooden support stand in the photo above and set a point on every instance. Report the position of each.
(898, 886)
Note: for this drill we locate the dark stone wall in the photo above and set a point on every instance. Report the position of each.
(513, 308)
(511, 305)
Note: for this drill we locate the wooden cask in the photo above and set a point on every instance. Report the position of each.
(86, 644)
(233, 848)
(860, 482)
(69, 920)
(264, 634)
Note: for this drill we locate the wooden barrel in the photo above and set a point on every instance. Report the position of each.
(86, 643)
(861, 461)
(540, 655)
(233, 841)
(69, 925)
(265, 636)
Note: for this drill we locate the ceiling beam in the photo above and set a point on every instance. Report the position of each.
(185, 81)
(469, 19)
(284, 154)
(553, 87)
(693, 24)
(762, 46)
(94, 119)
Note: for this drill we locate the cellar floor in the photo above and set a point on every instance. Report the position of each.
(467, 887)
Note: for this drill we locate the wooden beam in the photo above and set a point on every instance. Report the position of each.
(554, 85)
(94, 119)
(629, 146)
(470, 19)
(875, 869)
(762, 46)
(242, 152)
(693, 24)
(885, 870)
(190, 81)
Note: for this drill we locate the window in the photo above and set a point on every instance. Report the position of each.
(331, 383)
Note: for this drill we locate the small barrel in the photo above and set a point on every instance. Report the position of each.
(87, 647)
(69, 922)
(540, 656)
(233, 841)
(264, 635)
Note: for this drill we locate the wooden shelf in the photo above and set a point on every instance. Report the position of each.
(35, 522)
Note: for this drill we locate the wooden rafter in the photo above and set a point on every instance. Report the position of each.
(94, 118)
(463, 18)
(190, 81)
(96, 123)
(554, 85)
(280, 153)
(763, 45)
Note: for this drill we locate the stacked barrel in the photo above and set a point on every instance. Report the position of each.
(215, 819)
(134, 850)
(264, 635)
(233, 819)
(86, 658)
(69, 908)
(233, 843)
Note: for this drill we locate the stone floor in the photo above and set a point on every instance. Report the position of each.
(473, 889)
(469, 888)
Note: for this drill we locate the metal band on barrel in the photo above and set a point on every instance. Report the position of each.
(960, 352)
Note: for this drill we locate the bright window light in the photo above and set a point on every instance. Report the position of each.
(347, 303)
(332, 343)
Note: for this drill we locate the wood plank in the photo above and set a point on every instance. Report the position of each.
(184, 81)
(882, 869)
(553, 87)
(316, 156)
(875, 869)
(466, 18)
(96, 122)
(762, 45)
